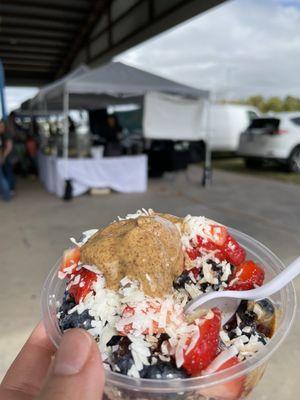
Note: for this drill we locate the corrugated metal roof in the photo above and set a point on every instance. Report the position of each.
(41, 40)
(35, 35)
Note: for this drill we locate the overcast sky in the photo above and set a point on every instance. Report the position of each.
(241, 48)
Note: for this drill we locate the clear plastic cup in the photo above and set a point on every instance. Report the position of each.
(213, 386)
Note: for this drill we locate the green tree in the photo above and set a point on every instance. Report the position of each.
(273, 104)
(276, 104)
(291, 103)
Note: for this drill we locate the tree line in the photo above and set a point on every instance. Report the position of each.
(276, 104)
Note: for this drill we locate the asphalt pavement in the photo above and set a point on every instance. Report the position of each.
(35, 228)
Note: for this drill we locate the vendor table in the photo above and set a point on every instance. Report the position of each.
(126, 174)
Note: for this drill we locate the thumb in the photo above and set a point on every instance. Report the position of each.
(77, 372)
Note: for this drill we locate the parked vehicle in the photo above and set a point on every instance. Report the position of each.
(272, 138)
(228, 121)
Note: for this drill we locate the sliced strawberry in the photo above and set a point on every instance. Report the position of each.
(195, 271)
(84, 286)
(205, 350)
(205, 246)
(230, 251)
(70, 258)
(230, 390)
(234, 252)
(217, 234)
(193, 253)
(247, 276)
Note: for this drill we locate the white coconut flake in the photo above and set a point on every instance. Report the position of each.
(139, 213)
(133, 372)
(226, 267)
(192, 290)
(85, 236)
(209, 274)
(225, 338)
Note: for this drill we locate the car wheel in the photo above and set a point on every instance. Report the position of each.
(253, 162)
(294, 160)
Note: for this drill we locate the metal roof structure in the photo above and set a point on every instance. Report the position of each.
(41, 40)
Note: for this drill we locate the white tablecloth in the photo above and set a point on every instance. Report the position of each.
(126, 174)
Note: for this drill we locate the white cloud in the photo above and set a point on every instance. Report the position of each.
(240, 48)
(16, 95)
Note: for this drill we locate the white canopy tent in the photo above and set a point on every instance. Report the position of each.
(113, 83)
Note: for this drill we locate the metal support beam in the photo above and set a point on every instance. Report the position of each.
(122, 16)
(34, 42)
(37, 23)
(83, 33)
(27, 33)
(151, 10)
(31, 68)
(24, 78)
(109, 22)
(25, 56)
(158, 23)
(13, 10)
(34, 50)
(77, 5)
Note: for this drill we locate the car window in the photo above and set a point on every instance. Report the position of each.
(265, 123)
(296, 121)
(251, 115)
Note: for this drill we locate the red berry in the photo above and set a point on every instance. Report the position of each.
(230, 390)
(70, 258)
(217, 234)
(206, 348)
(248, 275)
(83, 287)
(193, 253)
(234, 252)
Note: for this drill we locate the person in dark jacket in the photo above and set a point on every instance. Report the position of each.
(113, 133)
(7, 179)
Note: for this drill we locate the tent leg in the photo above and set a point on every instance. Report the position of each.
(207, 170)
(68, 194)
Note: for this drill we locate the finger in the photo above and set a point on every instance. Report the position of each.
(77, 371)
(26, 375)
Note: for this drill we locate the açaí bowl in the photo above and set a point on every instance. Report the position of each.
(119, 386)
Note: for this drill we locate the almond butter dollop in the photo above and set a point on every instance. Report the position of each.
(147, 249)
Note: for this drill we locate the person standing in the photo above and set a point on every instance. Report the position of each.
(113, 132)
(7, 178)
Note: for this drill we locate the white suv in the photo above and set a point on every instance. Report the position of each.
(272, 138)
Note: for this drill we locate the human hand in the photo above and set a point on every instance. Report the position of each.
(73, 372)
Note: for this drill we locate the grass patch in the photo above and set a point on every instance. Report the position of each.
(271, 171)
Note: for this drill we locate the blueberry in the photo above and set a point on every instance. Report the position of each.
(121, 360)
(162, 338)
(249, 318)
(181, 280)
(232, 335)
(114, 340)
(204, 286)
(75, 320)
(213, 264)
(266, 306)
(163, 370)
(68, 303)
(262, 338)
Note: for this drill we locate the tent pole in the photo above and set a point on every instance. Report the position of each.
(207, 170)
(66, 125)
(68, 184)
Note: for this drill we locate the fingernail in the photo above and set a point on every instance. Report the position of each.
(73, 352)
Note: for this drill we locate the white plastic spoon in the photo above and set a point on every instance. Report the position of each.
(228, 300)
